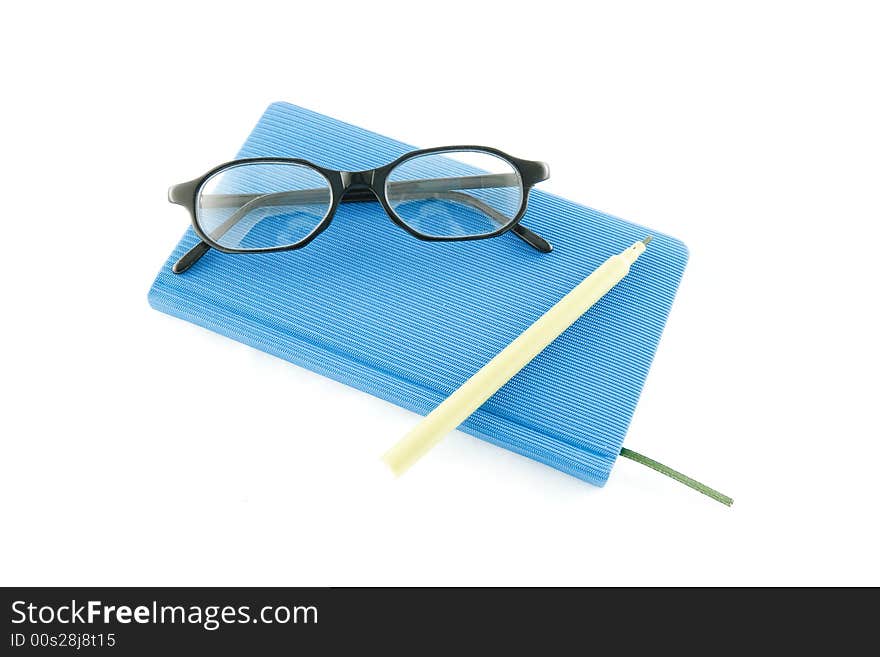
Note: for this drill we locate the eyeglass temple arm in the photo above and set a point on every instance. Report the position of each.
(441, 188)
(417, 189)
(529, 237)
(484, 181)
(190, 258)
(447, 188)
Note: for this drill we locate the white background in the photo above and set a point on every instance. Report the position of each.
(749, 130)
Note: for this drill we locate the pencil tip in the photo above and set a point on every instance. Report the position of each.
(647, 240)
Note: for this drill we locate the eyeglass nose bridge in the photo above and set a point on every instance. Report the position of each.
(358, 179)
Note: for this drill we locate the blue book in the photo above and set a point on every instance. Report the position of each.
(409, 321)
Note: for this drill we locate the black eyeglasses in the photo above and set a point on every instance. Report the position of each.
(445, 194)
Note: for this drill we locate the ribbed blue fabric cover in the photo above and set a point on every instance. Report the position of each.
(409, 321)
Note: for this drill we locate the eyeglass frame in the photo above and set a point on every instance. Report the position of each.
(363, 186)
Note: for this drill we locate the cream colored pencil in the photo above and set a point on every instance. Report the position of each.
(476, 390)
